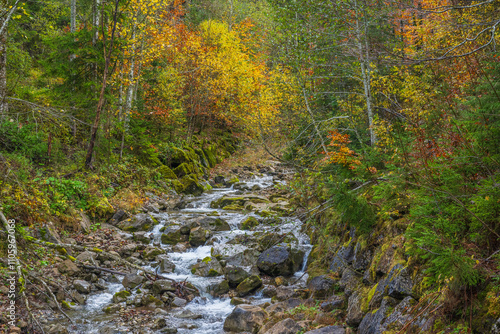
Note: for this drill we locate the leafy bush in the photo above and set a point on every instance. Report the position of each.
(23, 139)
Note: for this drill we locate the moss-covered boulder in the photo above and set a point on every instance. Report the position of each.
(166, 173)
(248, 285)
(210, 154)
(184, 169)
(228, 200)
(139, 222)
(218, 289)
(235, 275)
(198, 236)
(249, 223)
(280, 261)
(208, 267)
(191, 185)
(214, 224)
(172, 236)
(151, 252)
(121, 296)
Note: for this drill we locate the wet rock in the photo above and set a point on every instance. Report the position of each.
(150, 300)
(343, 258)
(238, 301)
(328, 330)
(76, 296)
(208, 267)
(235, 275)
(321, 286)
(178, 302)
(249, 223)
(349, 282)
(287, 326)
(173, 236)
(121, 296)
(198, 236)
(248, 285)
(219, 289)
(140, 222)
(284, 306)
(162, 285)
(119, 216)
(245, 258)
(334, 302)
(130, 281)
(245, 318)
(82, 286)
(280, 261)
(68, 267)
(113, 308)
(151, 252)
(166, 265)
(142, 237)
(354, 312)
(214, 224)
(187, 314)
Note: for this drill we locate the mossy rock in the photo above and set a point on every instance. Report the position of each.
(233, 180)
(226, 201)
(184, 169)
(121, 296)
(173, 237)
(234, 207)
(250, 284)
(166, 173)
(208, 267)
(203, 158)
(101, 208)
(210, 156)
(191, 185)
(249, 223)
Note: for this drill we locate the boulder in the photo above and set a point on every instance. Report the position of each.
(119, 216)
(248, 285)
(162, 285)
(57, 329)
(349, 281)
(121, 296)
(235, 275)
(321, 286)
(84, 223)
(280, 261)
(130, 281)
(140, 222)
(142, 237)
(248, 223)
(49, 233)
(151, 252)
(150, 300)
(245, 318)
(328, 330)
(172, 236)
(166, 265)
(214, 224)
(343, 258)
(208, 267)
(334, 302)
(287, 326)
(354, 311)
(87, 257)
(178, 302)
(372, 321)
(82, 286)
(198, 236)
(127, 250)
(68, 267)
(219, 289)
(400, 283)
(362, 258)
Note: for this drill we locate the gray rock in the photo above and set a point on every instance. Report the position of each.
(208, 267)
(179, 302)
(166, 265)
(328, 330)
(162, 285)
(372, 322)
(280, 261)
(248, 285)
(82, 286)
(151, 252)
(245, 318)
(130, 281)
(384, 264)
(187, 314)
(343, 258)
(235, 275)
(49, 233)
(334, 302)
(140, 222)
(127, 250)
(287, 326)
(401, 314)
(218, 289)
(284, 306)
(68, 267)
(349, 282)
(362, 258)
(173, 235)
(118, 217)
(495, 329)
(400, 283)
(87, 256)
(142, 237)
(198, 236)
(57, 329)
(121, 296)
(214, 224)
(77, 297)
(354, 313)
(321, 286)
(84, 222)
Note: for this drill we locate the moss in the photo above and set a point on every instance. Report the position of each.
(210, 156)
(191, 185)
(193, 270)
(184, 169)
(234, 207)
(97, 250)
(213, 273)
(233, 180)
(202, 156)
(207, 259)
(249, 223)
(166, 173)
(71, 258)
(66, 305)
(369, 296)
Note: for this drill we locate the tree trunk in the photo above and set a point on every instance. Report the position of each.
(3, 74)
(73, 17)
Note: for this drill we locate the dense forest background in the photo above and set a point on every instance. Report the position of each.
(387, 110)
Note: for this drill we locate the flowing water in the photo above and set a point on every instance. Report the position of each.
(213, 311)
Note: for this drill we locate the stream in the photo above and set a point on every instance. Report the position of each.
(209, 312)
